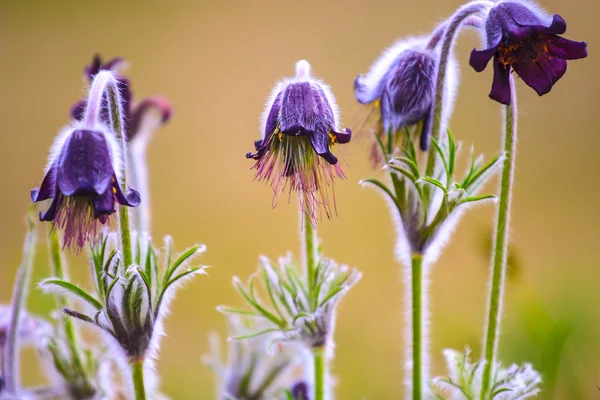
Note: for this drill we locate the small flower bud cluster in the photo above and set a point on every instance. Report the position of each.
(464, 380)
(297, 312)
(254, 369)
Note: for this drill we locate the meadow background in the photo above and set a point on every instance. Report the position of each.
(217, 61)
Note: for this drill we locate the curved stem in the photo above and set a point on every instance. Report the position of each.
(59, 270)
(417, 325)
(137, 374)
(105, 83)
(453, 26)
(319, 370)
(498, 272)
(10, 359)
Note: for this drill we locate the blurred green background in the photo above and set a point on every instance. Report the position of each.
(217, 61)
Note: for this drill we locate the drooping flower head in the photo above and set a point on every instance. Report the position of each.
(400, 88)
(134, 114)
(82, 179)
(300, 125)
(521, 37)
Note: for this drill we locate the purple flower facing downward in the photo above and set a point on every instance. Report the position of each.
(300, 126)
(83, 183)
(400, 88)
(133, 113)
(520, 37)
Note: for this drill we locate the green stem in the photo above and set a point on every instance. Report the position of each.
(10, 357)
(59, 270)
(417, 325)
(311, 253)
(498, 272)
(319, 369)
(137, 373)
(452, 28)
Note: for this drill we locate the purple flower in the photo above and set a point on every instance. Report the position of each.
(82, 181)
(133, 113)
(300, 125)
(522, 38)
(400, 87)
(300, 391)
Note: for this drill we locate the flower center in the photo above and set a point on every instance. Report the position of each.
(507, 55)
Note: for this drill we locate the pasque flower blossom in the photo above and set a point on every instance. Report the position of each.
(522, 38)
(400, 86)
(82, 179)
(300, 126)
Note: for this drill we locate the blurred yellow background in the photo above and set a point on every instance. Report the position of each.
(217, 61)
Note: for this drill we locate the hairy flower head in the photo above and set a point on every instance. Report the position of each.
(522, 38)
(300, 126)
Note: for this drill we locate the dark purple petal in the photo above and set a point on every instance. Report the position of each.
(78, 109)
(565, 48)
(84, 164)
(501, 85)
(50, 213)
(320, 142)
(131, 198)
(557, 27)
(155, 103)
(541, 75)
(304, 104)
(408, 90)
(97, 65)
(270, 125)
(344, 137)
(480, 58)
(300, 391)
(48, 186)
(104, 204)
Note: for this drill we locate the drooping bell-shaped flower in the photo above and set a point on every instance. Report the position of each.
(522, 38)
(134, 113)
(400, 88)
(82, 179)
(300, 126)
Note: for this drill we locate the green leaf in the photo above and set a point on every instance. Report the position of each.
(253, 335)
(228, 310)
(74, 289)
(414, 168)
(182, 258)
(435, 182)
(474, 199)
(404, 172)
(380, 186)
(479, 175)
(438, 149)
(258, 307)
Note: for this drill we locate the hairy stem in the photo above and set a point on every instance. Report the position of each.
(10, 359)
(137, 374)
(319, 369)
(452, 28)
(105, 83)
(417, 325)
(311, 253)
(498, 268)
(59, 270)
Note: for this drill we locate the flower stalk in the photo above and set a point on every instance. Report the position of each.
(498, 270)
(59, 270)
(320, 365)
(105, 83)
(465, 12)
(137, 374)
(417, 325)
(311, 251)
(10, 360)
